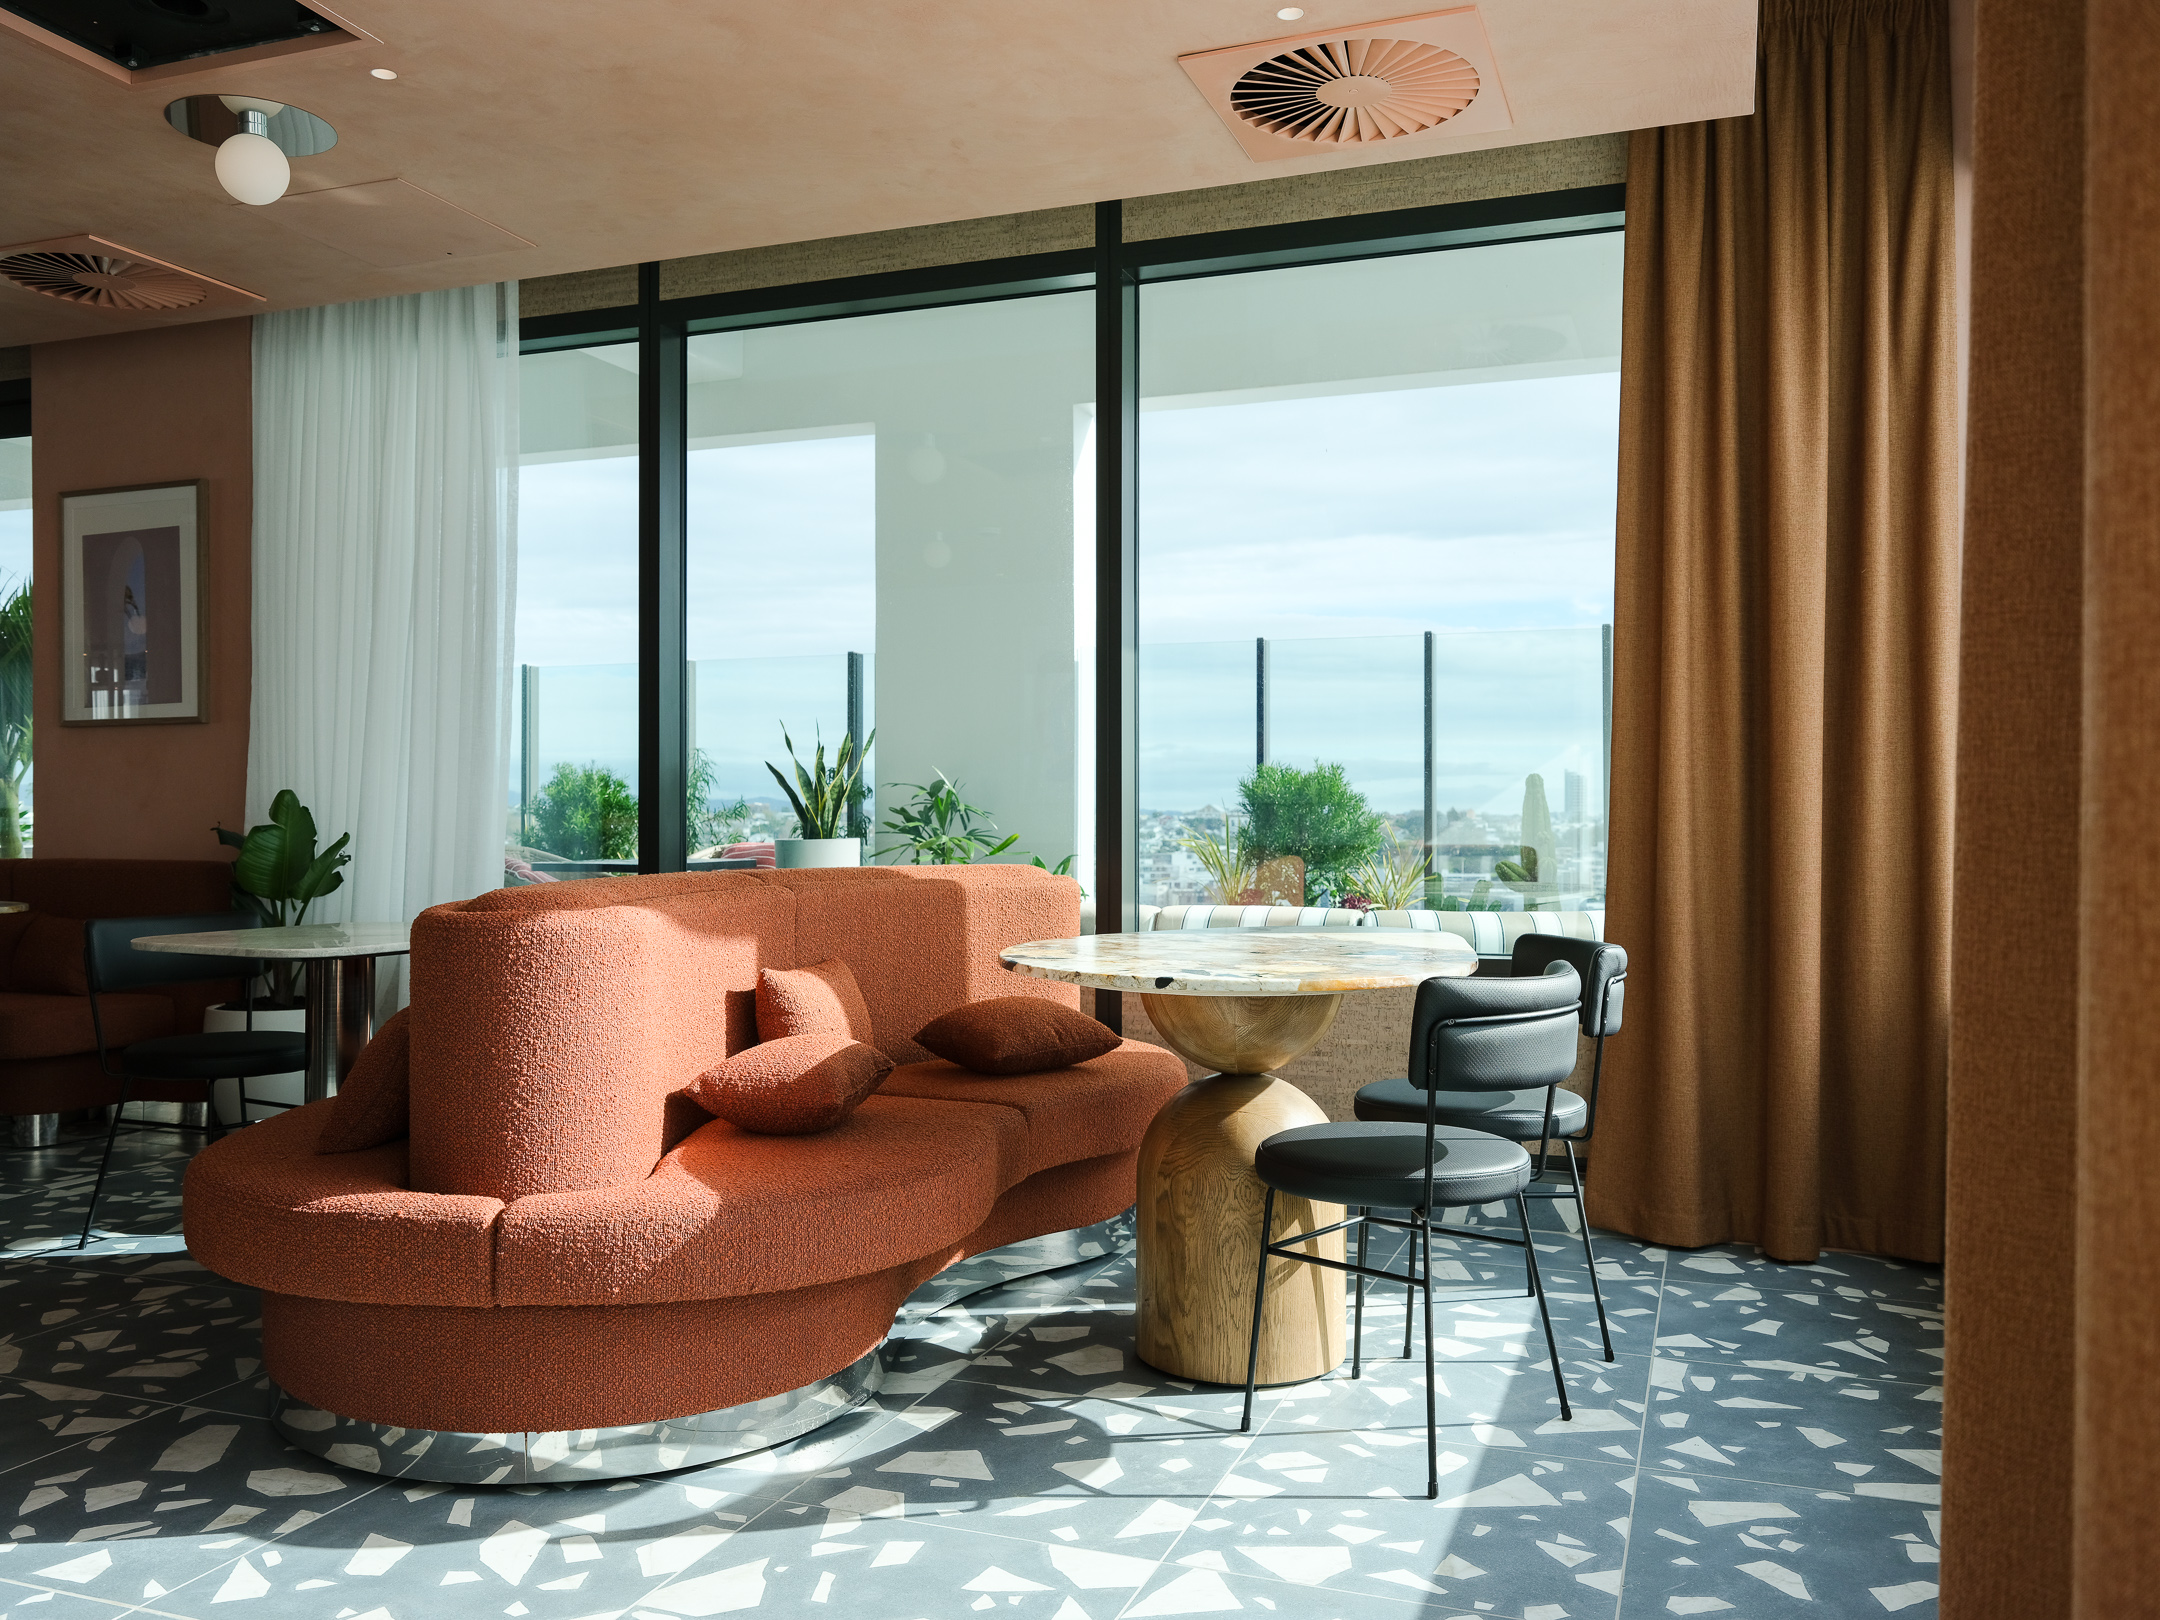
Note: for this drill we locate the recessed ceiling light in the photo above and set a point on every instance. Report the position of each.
(1291, 13)
(386, 73)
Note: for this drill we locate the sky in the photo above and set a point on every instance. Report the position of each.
(1482, 512)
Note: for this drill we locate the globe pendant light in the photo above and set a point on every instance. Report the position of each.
(250, 166)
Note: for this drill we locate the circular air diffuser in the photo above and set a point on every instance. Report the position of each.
(102, 281)
(1339, 91)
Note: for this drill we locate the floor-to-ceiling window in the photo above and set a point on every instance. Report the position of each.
(1369, 489)
(572, 796)
(1370, 568)
(16, 663)
(881, 536)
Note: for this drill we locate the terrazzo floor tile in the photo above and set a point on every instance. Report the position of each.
(1019, 1457)
(1722, 1547)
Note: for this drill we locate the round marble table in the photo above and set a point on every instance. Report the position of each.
(340, 981)
(1245, 1002)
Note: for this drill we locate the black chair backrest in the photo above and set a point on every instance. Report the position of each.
(112, 964)
(1602, 967)
(1495, 1034)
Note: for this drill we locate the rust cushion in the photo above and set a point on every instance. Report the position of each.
(816, 1000)
(1102, 1106)
(262, 1207)
(48, 959)
(794, 1086)
(44, 1026)
(731, 1213)
(1015, 1035)
(374, 1104)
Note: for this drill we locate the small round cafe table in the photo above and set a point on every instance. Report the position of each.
(1244, 1002)
(340, 961)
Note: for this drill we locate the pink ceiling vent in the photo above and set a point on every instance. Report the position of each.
(92, 273)
(1349, 88)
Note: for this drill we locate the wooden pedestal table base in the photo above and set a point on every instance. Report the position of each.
(1244, 1001)
(1199, 1201)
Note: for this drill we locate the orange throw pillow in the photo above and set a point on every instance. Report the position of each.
(373, 1105)
(1016, 1035)
(794, 1086)
(820, 1000)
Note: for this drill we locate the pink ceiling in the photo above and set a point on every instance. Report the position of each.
(647, 129)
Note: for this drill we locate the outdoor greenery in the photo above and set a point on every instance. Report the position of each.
(1225, 860)
(1535, 871)
(1392, 877)
(826, 799)
(586, 813)
(939, 828)
(1315, 815)
(278, 875)
(707, 825)
(14, 717)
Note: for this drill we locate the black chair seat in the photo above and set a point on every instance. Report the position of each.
(1382, 1165)
(1517, 1115)
(229, 1054)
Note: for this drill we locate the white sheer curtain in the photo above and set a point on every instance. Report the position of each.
(386, 438)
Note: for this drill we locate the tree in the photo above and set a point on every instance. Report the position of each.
(15, 667)
(586, 813)
(1315, 815)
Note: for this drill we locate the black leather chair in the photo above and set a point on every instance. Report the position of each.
(113, 967)
(1477, 1034)
(1531, 1115)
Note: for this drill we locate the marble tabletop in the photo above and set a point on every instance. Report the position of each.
(1247, 961)
(289, 944)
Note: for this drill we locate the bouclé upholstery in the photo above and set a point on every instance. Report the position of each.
(794, 1086)
(561, 1245)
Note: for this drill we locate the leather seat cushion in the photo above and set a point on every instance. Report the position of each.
(39, 1026)
(1382, 1164)
(1104, 1105)
(1517, 1115)
(728, 1212)
(262, 1207)
(215, 1056)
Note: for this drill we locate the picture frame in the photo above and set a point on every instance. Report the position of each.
(131, 605)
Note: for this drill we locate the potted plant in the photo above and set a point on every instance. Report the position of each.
(1315, 817)
(277, 875)
(939, 828)
(825, 799)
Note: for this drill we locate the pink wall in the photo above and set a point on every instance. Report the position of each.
(138, 408)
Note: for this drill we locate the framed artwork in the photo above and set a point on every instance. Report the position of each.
(131, 605)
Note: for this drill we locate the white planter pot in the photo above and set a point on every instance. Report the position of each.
(794, 852)
(285, 1088)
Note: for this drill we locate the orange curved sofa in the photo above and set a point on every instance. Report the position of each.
(565, 1243)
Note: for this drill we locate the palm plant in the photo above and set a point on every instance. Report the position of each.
(824, 798)
(939, 828)
(1225, 859)
(15, 666)
(1392, 877)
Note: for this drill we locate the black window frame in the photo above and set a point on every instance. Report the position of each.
(1116, 270)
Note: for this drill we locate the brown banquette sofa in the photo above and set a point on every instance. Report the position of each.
(48, 1052)
(566, 1243)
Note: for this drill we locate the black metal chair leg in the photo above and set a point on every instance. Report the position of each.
(1582, 1213)
(1357, 1316)
(1432, 1409)
(1252, 1357)
(1409, 1298)
(112, 1133)
(1552, 1348)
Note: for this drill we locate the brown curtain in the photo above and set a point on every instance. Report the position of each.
(2051, 1449)
(1784, 650)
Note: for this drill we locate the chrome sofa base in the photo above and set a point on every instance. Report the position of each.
(572, 1456)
